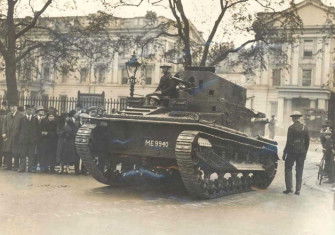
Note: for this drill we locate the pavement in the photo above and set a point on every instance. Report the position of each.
(311, 167)
(68, 204)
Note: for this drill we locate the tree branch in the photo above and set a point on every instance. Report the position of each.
(27, 51)
(224, 55)
(179, 24)
(237, 2)
(34, 20)
(224, 8)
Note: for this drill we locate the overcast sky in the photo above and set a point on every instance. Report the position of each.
(201, 12)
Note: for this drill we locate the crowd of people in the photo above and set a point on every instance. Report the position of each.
(39, 139)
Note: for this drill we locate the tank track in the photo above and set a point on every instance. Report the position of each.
(83, 148)
(201, 185)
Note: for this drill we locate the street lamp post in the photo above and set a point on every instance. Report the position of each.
(132, 66)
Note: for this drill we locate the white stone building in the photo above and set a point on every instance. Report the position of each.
(108, 75)
(306, 81)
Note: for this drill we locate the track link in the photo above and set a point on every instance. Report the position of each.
(199, 183)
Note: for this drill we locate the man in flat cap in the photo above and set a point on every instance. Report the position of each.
(295, 151)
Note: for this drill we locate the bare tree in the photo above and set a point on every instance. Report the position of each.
(235, 12)
(13, 40)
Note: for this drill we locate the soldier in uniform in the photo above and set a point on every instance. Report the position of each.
(295, 151)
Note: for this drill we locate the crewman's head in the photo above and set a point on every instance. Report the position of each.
(165, 69)
(296, 115)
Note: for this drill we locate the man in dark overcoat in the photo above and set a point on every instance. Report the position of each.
(3, 113)
(295, 151)
(40, 116)
(10, 133)
(28, 140)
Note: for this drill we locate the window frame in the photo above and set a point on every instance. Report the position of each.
(310, 78)
(279, 70)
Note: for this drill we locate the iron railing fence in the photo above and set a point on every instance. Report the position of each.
(65, 104)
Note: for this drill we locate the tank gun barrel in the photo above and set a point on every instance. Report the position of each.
(188, 84)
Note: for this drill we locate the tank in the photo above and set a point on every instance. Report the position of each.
(200, 137)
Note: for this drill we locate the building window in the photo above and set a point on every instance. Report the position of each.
(124, 78)
(308, 54)
(148, 75)
(100, 73)
(276, 77)
(46, 72)
(308, 49)
(27, 71)
(274, 108)
(211, 92)
(306, 77)
(148, 80)
(83, 74)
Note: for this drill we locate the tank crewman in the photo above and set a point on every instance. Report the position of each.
(295, 151)
(28, 139)
(10, 134)
(327, 142)
(167, 86)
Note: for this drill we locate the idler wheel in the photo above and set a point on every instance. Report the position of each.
(262, 179)
(96, 164)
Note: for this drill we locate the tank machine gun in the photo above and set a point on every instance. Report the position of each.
(199, 135)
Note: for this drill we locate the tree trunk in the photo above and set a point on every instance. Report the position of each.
(12, 93)
(10, 58)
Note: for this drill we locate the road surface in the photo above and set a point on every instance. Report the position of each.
(68, 204)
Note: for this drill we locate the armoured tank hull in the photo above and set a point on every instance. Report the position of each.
(212, 160)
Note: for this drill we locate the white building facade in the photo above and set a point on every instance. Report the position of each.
(306, 80)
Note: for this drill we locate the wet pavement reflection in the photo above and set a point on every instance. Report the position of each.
(66, 204)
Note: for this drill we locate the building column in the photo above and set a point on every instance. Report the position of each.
(280, 111)
(295, 64)
(156, 76)
(318, 65)
(115, 68)
(288, 108)
(326, 75)
(312, 104)
(287, 73)
(322, 104)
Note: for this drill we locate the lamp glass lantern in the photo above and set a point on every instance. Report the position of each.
(132, 66)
